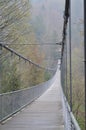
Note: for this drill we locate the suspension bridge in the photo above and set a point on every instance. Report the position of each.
(45, 106)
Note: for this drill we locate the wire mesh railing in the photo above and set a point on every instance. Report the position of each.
(21, 81)
(12, 102)
(72, 68)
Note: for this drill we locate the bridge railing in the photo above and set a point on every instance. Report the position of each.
(17, 81)
(12, 102)
(72, 65)
(71, 120)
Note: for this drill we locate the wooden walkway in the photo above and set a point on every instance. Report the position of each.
(46, 113)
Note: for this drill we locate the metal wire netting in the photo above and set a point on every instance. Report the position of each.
(72, 68)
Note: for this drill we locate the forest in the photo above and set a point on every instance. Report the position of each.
(18, 34)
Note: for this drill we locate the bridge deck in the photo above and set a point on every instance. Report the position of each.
(46, 113)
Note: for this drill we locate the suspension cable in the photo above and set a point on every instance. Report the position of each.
(70, 56)
(41, 44)
(85, 54)
(24, 58)
(66, 16)
(66, 73)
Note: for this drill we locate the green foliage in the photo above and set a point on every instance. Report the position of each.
(12, 16)
(15, 30)
(36, 76)
(47, 76)
(81, 122)
(10, 78)
(78, 96)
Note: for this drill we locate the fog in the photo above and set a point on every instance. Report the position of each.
(47, 19)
